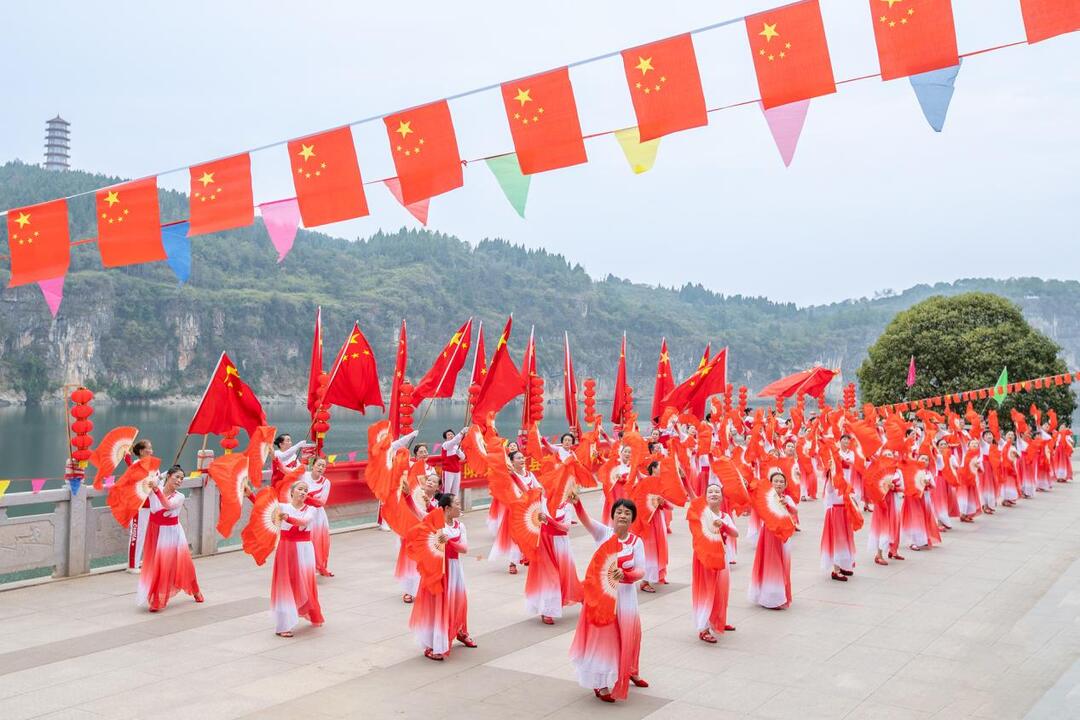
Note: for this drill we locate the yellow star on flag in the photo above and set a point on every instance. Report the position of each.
(769, 31)
(207, 178)
(644, 64)
(404, 128)
(892, 2)
(112, 197)
(306, 151)
(523, 96)
(23, 219)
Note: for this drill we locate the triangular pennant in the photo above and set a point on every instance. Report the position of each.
(640, 155)
(418, 209)
(934, 91)
(514, 184)
(331, 458)
(352, 456)
(4, 485)
(786, 124)
(53, 290)
(281, 219)
(76, 483)
(109, 480)
(36, 484)
(174, 238)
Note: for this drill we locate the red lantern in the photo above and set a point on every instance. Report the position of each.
(82, 396)
(405, 409)
(779, 405)
(82, 442)
(590, 401)
(81, 427)
(742, 399)
(229, 441)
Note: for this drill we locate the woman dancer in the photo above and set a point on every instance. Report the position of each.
(166, 568)
(552, 582)
(318, 493)
(837, 535)
(605, 657)
(711, 579)
(504, 548)
(770, 580)
(885, 524)
(285, 459)
(654, 537)
(451, 461)
(440, 618)
(293, 592)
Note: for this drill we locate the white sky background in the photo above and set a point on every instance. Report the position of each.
(874, 199)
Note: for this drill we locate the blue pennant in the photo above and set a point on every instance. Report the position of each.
(76, 483)
(177, 249)
(934, 90)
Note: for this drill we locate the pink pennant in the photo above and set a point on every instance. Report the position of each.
(281, 219)
(110, 480)
(786, 124)
(36, 484)
(418, 209)
(352, 456)
(53, 290)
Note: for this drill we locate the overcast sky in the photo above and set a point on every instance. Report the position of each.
(874, 199)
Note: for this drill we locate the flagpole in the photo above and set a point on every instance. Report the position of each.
(337, 364)
(431, 401)
(201, 401)
(476, 353)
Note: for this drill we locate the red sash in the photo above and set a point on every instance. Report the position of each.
(296, 535)
(160, 518)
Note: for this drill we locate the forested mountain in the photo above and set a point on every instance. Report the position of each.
(134, 333)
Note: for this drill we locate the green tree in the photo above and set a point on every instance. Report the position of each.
(962, 343)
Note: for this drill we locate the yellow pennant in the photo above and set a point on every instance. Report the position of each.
(640, 155)
(331, 458)
(4, 484)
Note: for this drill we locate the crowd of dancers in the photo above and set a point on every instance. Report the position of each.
(911, 477)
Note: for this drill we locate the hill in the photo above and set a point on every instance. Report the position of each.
(134, 333)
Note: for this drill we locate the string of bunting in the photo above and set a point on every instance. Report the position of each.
(1007, 388)
(915, 39)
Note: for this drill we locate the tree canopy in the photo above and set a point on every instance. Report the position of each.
(962, 343)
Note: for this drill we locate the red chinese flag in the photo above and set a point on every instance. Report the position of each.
(689, 393)
(400, 364)
(221, 195)
(715, 382)
(440, 379)
(665, 87)
(479, 368)
(665, 381)
(528, 369)
(503, 381)
(425, 151)
(354, 383)
(228, 402)
(791, 55)
(618, 402)
(1045, 19)
(914, 36)
(544, 121)
(129, 227)
(39, 242)
(327, 178)
(316, 368)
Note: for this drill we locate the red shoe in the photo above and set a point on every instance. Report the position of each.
(646, 587)
(432, 656)
(729, 628)
(838, 576)
(465, 640)
(199, 597)
(524, 562)
(880, 561)
(546, 620)
(640, 682)
(707, 636)
(606, 697)
(896, 556)
(327, 573)
(848, 573)
(407, 598)
(513, 569)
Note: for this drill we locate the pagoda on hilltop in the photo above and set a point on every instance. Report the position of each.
(57, 144)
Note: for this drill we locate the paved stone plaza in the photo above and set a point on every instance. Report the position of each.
(987, 626)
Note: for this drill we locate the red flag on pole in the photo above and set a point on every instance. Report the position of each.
(316, 365)
(569, 386)
(618, 403)
(714, 382)
(665, 382)
(528, 368)
(479, 365)
(399, 377)
(683, 396)
(503, 380)
(911, 372)
(440, 379)
(227, 403)
(354, 380)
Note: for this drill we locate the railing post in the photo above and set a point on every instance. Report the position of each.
(208, 502)
(77, 555)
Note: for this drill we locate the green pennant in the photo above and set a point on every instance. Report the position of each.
(1001, 387)
(514, 184)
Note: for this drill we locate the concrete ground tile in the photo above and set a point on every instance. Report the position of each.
(806, 704)
(734, 693)
(876, 711)
(679, 710)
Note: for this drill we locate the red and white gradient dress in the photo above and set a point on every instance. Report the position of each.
(318, 494)
(943, 495)
(989, 483)
(293, 593)
(770, 578)
(607, 655)
(438, 618)
(711, 586)
(166, 564)
(504, 548)
(405, 571)
(1062, 456)
(967, 494)
(656, 547)
(1010, 472)
(884, 532)
(552, 582)
(837, 535)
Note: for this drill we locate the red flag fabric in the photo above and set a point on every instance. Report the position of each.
(425, 151)
(714, 382)
(791, 54)
(570, 389)
(618, 403)
(503, 380)
(914, 37)
(327, 178)
(528, 368)
(689, 392)
(544, 122)
(316, 365)
(227, 403)
(400, 365)
(220, 196)
(479, 368)
(39, 242)
(665, 382)
(440, 380)
(129, 225)
(354, 381)
(1044, 19)
(665, 87)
